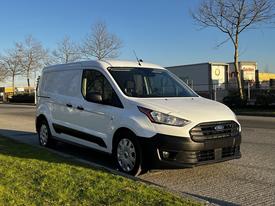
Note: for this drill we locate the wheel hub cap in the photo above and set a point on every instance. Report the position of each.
(126, 154)
(43, 135)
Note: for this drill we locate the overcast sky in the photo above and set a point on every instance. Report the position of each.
(160, 31)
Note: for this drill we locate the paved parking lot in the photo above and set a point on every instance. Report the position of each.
(247, 181)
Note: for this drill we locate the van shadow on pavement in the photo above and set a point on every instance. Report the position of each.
(76, 151)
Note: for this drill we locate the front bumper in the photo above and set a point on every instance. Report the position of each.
(171, 151)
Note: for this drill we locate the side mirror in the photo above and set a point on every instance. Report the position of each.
(94, 97)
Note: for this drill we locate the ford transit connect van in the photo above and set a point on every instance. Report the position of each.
(140, 113)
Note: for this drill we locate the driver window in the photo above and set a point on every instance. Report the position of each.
(94, 82)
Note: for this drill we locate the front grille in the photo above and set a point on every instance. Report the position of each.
(212, 154)
(214, 130)
(230, 151)
(206, 155)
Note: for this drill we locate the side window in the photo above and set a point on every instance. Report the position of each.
(65, 83)
(94, 82)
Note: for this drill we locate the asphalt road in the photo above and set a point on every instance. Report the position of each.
(247, 181)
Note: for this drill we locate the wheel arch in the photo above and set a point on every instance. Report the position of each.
(120, 131)
(38, 121)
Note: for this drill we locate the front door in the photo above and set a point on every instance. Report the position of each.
(96, 120)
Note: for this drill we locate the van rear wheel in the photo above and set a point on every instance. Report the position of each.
(44, 135)
(127, 154)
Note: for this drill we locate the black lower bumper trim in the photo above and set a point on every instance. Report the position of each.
(183, 152)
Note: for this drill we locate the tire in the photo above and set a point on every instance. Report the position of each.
(44, 135)
(127, 154)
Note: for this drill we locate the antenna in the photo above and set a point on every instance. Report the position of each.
(138, 60)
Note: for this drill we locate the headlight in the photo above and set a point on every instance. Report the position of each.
(161, 118)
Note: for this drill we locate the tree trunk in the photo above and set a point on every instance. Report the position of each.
(66, 58)
(237, 69)
(13, 87)
(28, 81)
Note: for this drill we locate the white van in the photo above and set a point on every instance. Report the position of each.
(140, 113)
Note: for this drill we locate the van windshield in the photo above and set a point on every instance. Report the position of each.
(144, 82)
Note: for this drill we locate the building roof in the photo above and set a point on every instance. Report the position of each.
(213, 63)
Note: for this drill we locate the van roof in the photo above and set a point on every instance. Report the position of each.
(102, 64)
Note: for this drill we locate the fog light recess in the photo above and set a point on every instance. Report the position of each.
(165, 154)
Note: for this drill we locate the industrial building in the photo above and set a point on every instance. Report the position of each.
(213, 79)
(248, 69)
(203, 77)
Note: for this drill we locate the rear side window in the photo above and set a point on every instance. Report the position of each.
(66, 82)
(95, 82)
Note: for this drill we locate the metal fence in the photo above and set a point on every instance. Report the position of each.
(217, 92)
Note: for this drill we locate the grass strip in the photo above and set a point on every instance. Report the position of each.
(36, 176)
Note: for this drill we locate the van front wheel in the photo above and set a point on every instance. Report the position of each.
(127, 154)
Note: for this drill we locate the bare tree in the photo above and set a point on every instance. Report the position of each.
(101, 44)
(3, 73)
(34, 57)
(66, 51)
(11, 65)
(232, 17)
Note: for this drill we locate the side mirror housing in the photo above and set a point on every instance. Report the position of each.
(94, 97)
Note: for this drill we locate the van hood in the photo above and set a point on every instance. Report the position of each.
(194, 109)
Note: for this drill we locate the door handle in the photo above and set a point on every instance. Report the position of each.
(69, 105)
(80, 108)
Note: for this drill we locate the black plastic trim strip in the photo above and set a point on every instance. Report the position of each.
(78, 134)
